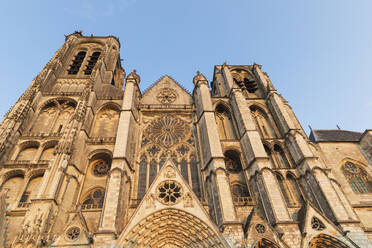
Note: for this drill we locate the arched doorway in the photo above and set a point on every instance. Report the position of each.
(172, 228)
(326, 241)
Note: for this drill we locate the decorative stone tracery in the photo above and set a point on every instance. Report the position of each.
(169, 192)
(167, 95)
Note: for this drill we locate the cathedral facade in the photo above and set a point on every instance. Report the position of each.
(88, 160)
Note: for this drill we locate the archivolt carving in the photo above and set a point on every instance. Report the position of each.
(172, 228)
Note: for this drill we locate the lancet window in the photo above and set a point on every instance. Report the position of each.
(30, 191)
(76, 63)
(238, 184)
(53, 117)
(262, 122)
(281, 158)
(358, 178)
(225, 123)
(106, 122)
(289, 190)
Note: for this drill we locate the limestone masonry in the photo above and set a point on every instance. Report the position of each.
(88, 160)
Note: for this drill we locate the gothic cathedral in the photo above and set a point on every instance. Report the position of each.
(88, 160)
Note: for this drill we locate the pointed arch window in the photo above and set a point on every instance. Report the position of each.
(94, 200)
(92, 62)
(281, 157)
(224, 123)
(358, 178)
(287, 191)
(30, 191)
(76, 63)
(142, 176)
(262, 122)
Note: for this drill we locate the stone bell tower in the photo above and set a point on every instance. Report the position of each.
(70, 109)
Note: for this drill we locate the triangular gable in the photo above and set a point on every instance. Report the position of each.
(156, 202)
(258, 229)
(315, 223)
(166, 91)
(78, 226)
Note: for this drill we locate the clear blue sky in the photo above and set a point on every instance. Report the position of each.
(318, 53)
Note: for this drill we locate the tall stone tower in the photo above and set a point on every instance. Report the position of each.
(86, 161)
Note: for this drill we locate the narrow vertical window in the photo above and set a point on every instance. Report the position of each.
(76, 63)
(142, 170)
(92, 62)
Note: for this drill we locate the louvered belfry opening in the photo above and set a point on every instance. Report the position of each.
(76, 64)
(92, 62)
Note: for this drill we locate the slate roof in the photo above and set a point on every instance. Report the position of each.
(334, 136)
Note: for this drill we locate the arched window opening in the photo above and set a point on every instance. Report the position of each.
(30, 192)
(262, 122)
(45, 119)
(47, 154)
(142, 177)
(195, 177)
(326, 241)
(12, 188)
(92, 62)
(28, 153)
(241, 194)
(295, 188)
(94, 199)
(232, 160)
(288, 194)
(269, 154)
(224, 123)
(358, 178)
(100, 165)
(106, 123)
(265, 243)
(245, 80)
(76, 63)
(64, 116)
(281, 158)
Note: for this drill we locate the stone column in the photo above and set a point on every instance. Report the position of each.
(214, 160)
(120, 166)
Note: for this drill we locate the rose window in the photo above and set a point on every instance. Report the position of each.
(260, 228)
(167, 95)
(167, 131)
(73, 233)
(169, 192)
(316, 224)
(100, 168)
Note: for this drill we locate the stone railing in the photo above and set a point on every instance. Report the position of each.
(243, 200)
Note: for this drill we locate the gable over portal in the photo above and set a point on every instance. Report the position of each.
(166, 91)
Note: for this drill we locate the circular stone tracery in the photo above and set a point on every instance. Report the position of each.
(167, 130)
(73, 233)
(100, 168)
(167, 95)
(169, 192)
